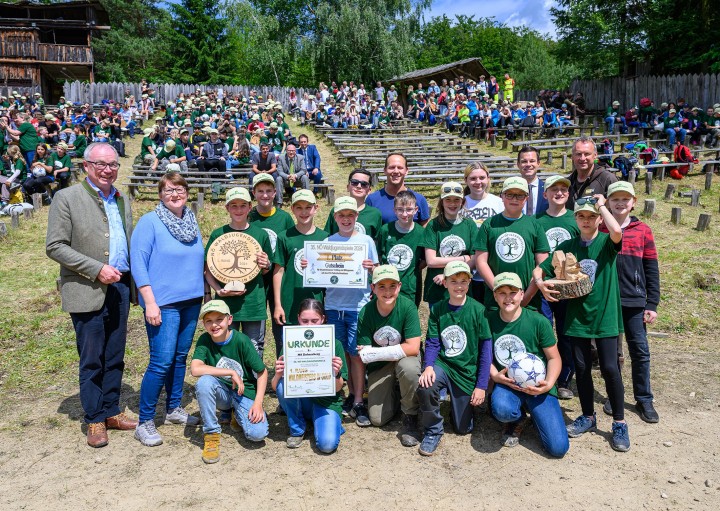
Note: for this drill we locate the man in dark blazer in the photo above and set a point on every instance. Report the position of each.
(528, 163)
(89, 228)
(312, 159)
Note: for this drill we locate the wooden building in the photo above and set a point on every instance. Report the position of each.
(42, 45)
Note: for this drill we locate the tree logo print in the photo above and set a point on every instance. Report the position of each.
(452, 246)
(387, 336)
(400, 256)
(589, 268)
(506, 346)
(228, 363)
(273, 237)
(510, 247)
(360, 228)
(296, 261)
(454, 340)
(555, 236)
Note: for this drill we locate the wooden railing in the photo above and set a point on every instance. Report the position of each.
(61, 53)
(64, 53)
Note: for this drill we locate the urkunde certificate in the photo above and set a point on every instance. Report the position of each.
(336, 264)
(308, 352)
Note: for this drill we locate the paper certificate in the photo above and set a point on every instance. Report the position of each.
(308, 352)
(335, 264)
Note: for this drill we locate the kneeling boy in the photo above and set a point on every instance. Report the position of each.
(231, 375)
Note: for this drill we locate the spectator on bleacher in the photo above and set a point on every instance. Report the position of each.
(395, 170)
(171, 152)
(264, 161)
(41, 173)
(612, 116)
(493, 89)
(213, 155)
(312, 159)
(528, 163)
(586, 175)
(77, 143)
(53, 129)
(25, 134)
(632, 119)
(275, 138)
(712, 125)
(673, 127)
(292, 171)
(61, 164)
(508, 88)
(14, 173)
(392, 94)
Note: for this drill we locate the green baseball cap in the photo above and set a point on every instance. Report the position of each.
(507, 279)
(237, 193)
(515, 183)
(385, 271)
(454, 267)
(214, 306)
(169, 146)
(303, 195)
(345, 202)
(621, 186)
(262, 178)
(554, 180)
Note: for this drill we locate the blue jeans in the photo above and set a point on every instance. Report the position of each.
(326, 423)
(230, 163)
(506, 405)
(429, 399)
(29, 156)
(610, 121)
(170, 343)
(131, 128)
(100, 337)
(345, 328)
(557, 311)
(639, 351)
(672, 135)
(212, 394)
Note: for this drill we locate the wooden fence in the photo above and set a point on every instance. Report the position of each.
(93, 93)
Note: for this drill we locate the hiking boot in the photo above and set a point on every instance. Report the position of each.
(348, 405)
(429, 444)
(360, 413)
(97, 434)
(293, 442)
(147, 434)
(121, 422)
(607, 408)
(234, 424)
(565, 393)
(224, 417)
(410, 437)
(211, 449)
(620, 437)
(581, 425)
(647, 412)
(512, 431)
(180, 416)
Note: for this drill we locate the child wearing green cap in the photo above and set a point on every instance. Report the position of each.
(458, 354)
(247, 307)
(518, 330)
(639, 280)
(288, 290)
(559, 225)
(388, 341)
(596, 315)
(230, 374)
(449, 237)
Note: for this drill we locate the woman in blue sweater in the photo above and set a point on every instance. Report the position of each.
(167, 258)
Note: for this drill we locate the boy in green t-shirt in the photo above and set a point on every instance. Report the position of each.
(458, 354)
(273, 221)
(248, 307)
(388, 339)
(148, 147)
(399, 244)
(369, 218)
(230, 374)
(596, 315)
(287, 280)
(511, 242)
(518, 330)
(559, 225)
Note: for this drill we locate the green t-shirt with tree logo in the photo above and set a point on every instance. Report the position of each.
(251, 305)
(530, 333)
(460, 333)
(558, 228)
(402, 250)
(377, 330)
(288, 253)
(448, 240)
(273, 224)
(597, 314)
(236, 353)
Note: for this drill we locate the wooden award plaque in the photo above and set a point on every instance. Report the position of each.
(233, 258)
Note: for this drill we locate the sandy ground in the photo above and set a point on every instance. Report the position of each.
(46, 464)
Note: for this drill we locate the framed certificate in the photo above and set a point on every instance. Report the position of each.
(308, 352)
(336, 264)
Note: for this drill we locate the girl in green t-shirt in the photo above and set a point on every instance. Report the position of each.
(41, 171)
(14, 172)
(596, 315)
(448, 237)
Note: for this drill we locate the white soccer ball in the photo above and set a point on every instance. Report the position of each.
(526, 369)
(38, 171)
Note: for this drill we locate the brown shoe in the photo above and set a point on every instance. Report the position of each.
(121, 421)
(97, 434)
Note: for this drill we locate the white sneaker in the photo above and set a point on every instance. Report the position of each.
(180, 416)
(147, 434)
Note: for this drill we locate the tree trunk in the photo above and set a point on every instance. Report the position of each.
(571, 288)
